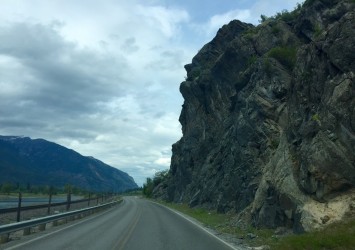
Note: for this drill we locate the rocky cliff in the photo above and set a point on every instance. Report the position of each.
(40, 162)
(268, 120)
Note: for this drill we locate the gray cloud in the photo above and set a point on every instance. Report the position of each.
(100, 79)
(129, 45)
(61, 79)
(83, 98)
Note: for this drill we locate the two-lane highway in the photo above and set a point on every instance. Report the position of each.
(136, 224)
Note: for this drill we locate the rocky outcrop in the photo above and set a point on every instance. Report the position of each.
(268, 120)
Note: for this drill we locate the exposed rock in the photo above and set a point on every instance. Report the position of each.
(281, 231)
(264, 247)
(269, 120)
(325, 219)
(251, 236)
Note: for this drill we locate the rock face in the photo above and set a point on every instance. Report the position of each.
(268, 120)
(40, 162)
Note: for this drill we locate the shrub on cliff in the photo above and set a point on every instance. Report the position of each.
(285, 55)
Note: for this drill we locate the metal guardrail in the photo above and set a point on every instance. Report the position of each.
(24, 208)
(9, 228)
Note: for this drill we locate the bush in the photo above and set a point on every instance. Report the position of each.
(252, 60)
(308, 3)
(148, 188)
(6, 188)
(317, 30)
(150, 184)
(285, 55)
(250, 33)
(286, 16)
(275, 30)
(316, 117)
(263, 18)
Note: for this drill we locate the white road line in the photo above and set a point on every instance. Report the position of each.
(198, 225)
(57, 231)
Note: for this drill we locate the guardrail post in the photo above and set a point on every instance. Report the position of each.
(4, 238)
(19, 207)
(68, 201)
(41, 223)
(89, 200)
(49, 203)
(27, 231)
(42, 227)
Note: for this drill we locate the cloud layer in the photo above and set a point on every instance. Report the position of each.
(102, 79)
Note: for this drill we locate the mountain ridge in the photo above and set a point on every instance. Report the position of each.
(40, 162)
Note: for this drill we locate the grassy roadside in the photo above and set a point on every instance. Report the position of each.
(222, 224)
(336, 236)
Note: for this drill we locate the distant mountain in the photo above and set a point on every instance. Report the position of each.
(40, 162)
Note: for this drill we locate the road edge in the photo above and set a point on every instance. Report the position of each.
(198, 224)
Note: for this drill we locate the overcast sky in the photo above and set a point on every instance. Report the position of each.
(102, 77)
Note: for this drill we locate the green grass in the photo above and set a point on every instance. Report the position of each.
(316, 117)
(251, 60)
(317, 30)
(336, 236)
(250, 33)
(208, 218)
(222, 224)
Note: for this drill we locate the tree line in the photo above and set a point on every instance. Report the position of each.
(8, 188)
(151, 183)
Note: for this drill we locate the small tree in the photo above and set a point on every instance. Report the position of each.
(48, 190)
(68, 188)
(6, 188)
(263, 18)
(150, 184)
(160, 176)
(148, 187)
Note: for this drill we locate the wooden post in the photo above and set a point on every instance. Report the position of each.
(4, 238)
(42, 227)
(49, 203)
(19, 207)
(27, 231)
(68, 201)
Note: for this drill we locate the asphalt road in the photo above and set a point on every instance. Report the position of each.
(136, 224)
